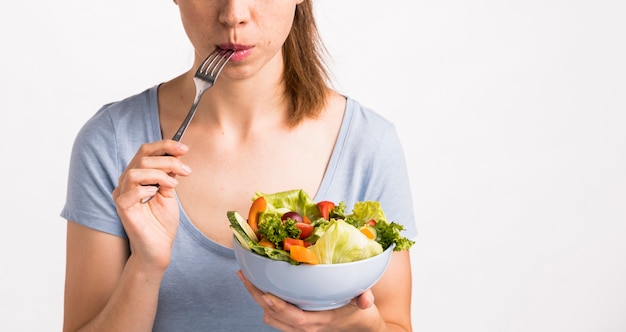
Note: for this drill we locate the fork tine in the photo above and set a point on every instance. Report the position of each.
(221, 63)
(210, 59)
(214, 63)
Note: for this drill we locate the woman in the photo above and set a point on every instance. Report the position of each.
(269, 124)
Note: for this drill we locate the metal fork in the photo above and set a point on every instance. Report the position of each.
(204, 79)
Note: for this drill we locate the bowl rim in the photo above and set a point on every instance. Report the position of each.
(390, 248)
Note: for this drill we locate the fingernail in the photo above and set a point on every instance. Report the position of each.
(182, 147)
(267, 300)
(186, 168)
(150, 189)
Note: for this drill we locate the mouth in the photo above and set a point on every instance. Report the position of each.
(241, 51)
(234, 47)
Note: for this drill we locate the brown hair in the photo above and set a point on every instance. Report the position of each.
(306, 76)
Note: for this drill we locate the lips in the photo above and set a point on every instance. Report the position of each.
(241, 51)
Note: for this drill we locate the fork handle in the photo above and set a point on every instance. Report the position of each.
(183, 126)
(179, 134)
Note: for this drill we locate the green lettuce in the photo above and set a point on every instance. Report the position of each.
(341, 242)
(363, 212)
(296, 200)
(387, 233)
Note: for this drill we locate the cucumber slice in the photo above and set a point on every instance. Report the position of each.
(236, 219)
(242, 238)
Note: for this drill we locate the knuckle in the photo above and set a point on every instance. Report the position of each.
(145, 148)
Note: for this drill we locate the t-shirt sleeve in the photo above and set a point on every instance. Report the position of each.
(369, 164)
(397, 186)
(388, 181)
(93, 174)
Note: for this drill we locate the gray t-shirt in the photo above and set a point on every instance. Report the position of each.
(200, 290)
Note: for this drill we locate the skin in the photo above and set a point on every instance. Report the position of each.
(108, 289)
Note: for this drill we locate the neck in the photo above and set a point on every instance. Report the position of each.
(257, 101)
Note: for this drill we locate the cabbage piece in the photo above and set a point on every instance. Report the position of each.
(296, 200)
(343, 243)
(366, 211)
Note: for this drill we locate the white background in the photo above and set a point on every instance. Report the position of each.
(512, 115)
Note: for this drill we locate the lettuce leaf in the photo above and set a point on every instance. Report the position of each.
(343, 243)
(296, 200)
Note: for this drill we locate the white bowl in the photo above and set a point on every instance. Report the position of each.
(312, 287)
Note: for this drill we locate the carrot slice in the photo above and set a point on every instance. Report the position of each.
(259, 205)
(368, 232)
(303, 255)
(266, 243)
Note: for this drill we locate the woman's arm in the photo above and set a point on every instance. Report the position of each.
(108, 286)
(106, 289)
(392, 293)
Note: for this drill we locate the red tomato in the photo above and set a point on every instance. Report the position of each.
(325, 207)
(305, 229)
(288, 242)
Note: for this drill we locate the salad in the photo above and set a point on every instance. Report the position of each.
(289, 226)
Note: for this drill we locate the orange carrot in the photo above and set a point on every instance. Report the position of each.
(259, 205)
(303, 255)
(368, 232)
(266, 243)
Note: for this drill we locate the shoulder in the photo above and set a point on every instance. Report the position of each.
(117, 129)
(363, 124)
(130, 106)
(135, 117)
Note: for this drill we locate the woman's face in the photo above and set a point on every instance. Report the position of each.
(256, 29)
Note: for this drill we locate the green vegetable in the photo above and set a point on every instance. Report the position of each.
(343, 243)
(275, 230)
(387, 233)
(275, 254)
(292, 200)
(244, 225)
(238, 230)
(244, 239)
(337, 240)
(363, 212)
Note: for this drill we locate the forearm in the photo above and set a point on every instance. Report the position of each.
(391, 308)
(133, 303)
(371, 319)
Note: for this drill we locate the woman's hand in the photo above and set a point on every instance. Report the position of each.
(386, 307)
(287, 317)
(151, 227)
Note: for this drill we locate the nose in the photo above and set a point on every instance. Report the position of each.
(235, 12)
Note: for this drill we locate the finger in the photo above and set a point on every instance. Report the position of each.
(365, 300)
(144, 177)
(255, 292)
(163, 147)
(142, 184)
(126, 199)
(167, 164)
(267, 301)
